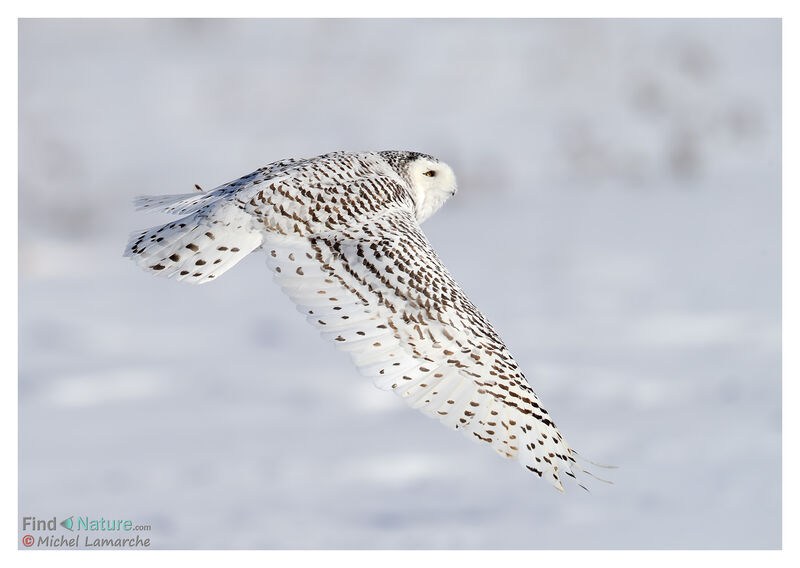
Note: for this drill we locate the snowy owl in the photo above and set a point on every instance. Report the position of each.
(342, 236)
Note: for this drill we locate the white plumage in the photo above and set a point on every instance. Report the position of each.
(342, 236)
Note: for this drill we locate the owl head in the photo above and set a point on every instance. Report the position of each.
(432, 182)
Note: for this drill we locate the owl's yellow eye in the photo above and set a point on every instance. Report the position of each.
(430, 173)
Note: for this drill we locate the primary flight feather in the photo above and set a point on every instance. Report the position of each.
(342, 237)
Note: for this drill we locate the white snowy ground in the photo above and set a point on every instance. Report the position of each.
(625, 179)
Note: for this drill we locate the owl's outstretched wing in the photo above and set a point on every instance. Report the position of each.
(379, 292)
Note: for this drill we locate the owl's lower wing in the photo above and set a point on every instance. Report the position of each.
(380, 293)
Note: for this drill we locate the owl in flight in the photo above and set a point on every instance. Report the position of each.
(342, 236)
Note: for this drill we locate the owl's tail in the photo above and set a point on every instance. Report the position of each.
(196, 248)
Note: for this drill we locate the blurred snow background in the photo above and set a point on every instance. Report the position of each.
(626, 179)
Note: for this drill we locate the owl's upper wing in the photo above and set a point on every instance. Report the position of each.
(380, 292)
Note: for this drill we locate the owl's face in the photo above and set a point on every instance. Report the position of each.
(433, 182)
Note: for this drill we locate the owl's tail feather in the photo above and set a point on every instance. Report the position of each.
(176, 204)
(197, 248)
